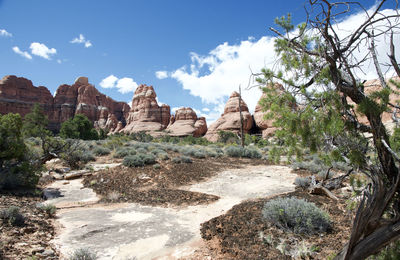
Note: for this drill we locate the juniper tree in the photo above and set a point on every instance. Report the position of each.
(319, 70)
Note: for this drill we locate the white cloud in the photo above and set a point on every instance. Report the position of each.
(41, 50)
(59, 61)
(213, 77)
(206, 109)
(109, 82)
(124, 85)
(4, 33)
(24, 54)
(159, 102)
(173, 110)
(81, 39)
(162, 74)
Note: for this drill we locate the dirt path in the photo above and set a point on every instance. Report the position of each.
(125, 231)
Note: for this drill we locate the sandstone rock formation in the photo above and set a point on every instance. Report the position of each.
(146, 115)
(185, 122)
(264, 125)
(18, 95)
(230, 119)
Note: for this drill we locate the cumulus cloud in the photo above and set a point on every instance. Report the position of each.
(124, 85)
(4, 33)
(206, 109)
(162, 74)
(24, 54)
(82, 40)
(214, 76)
(41, 50)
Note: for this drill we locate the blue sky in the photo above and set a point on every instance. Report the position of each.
(194, 53)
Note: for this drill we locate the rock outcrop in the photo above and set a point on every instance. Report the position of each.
(264, 125)
(146, 115)
(18, 95)
(230, 119)
(185, 123)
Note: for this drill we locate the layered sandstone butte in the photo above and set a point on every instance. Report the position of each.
(264, 125)
(84, 98)
(185, 123)
(18, 95)
(146, 115)
(230, 119)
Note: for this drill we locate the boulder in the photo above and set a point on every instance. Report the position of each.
(185, 123)
(230, 119)
(146, 115)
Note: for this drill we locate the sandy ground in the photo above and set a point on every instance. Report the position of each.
(132, 231)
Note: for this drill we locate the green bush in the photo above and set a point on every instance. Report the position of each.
(133, 161)
(182, 159)
(12, 216)
(123, 152)
(148, 158)
(76, 154)
(83, 254)
(227, 137)
(163, 156)
(19, 165)
(156, 166)
(251, 153)
(100, 151)
(302, 182)
(296, 215)
(141, 137)
(234, 151)
(49, 209)
(78, 127)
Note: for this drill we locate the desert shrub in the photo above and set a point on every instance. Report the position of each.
(156, 166)
(182, 159)
(139, 160)
(342, 166)
(34, 141)
(133, 161)
(141, 151)
(113, 196)
(141, 137)
(296, 215)
(322, 174)
(251, 153)
(123, 152)
(200, 154)
(49, 209)
(302, 182)
(83, 254)
(274, 154)
(12, 216)
(148, 158)
(212, 153)
(163, 156)
(157, 151)
(234, 151)
(100, 151)
(227, 137)
(76, 154)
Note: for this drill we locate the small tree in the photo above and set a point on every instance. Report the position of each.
(318, 68)
(78, 127)
(18, 165)
(35, 123)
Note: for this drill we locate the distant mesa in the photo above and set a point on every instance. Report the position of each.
(18, 95)
(185, 122)
(230, 119)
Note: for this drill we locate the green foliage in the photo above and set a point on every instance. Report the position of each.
(156, 166)
(182, 159)
(78, 127)
(83, 254)
(302, 182)
(296, 215)
(256, 140)
(123, 152)
(19, 165)
(100, 151)
(227, 137)
(35, 123)
(390, 252)
(12, 216)
(139, 160)
(395, 139)
(141, 137)
(76, 154)
(238, 151)
(49, 209)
